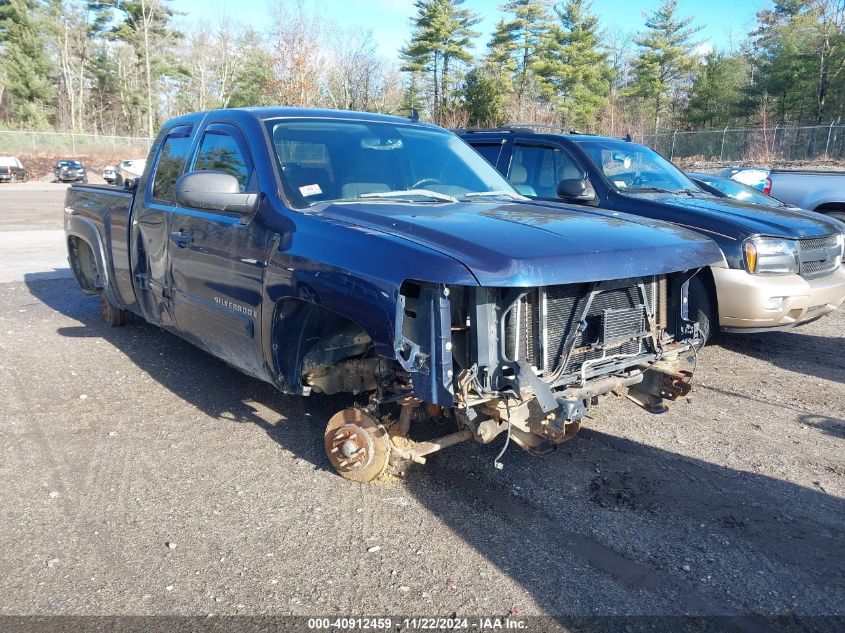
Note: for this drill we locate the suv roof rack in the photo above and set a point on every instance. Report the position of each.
(512, 129)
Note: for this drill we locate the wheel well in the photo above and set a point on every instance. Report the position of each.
(830, 206)
(307, 336)
(84, 265)
(709, 283)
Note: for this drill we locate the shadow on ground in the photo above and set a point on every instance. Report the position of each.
(655, 506)
(788, 349)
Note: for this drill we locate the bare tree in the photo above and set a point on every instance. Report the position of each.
(297, 56)
(356, 78)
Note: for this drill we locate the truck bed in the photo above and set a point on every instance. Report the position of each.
(815, 190)
(809, 172)
(101, 214)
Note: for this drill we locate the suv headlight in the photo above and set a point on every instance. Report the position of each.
(771, 256)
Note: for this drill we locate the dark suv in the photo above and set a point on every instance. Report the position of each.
(783, 266)
(12, 170)
(69, 171)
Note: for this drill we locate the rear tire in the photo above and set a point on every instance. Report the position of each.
(112, 315)
(702, 308)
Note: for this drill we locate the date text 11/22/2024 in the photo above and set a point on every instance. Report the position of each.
(418, 623)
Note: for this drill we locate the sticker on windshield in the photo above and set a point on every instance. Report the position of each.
(310, 190)
(620, 183)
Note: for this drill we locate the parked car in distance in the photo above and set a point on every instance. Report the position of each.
(12, 170)
(729, 188)
(129, 170)
(109, 174)
(821, 191)
(69, 171)
(343, 252)
(752, 176)
(784, 267)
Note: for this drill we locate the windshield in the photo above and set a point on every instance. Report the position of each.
(338, 160)
(739, 191)
(631, 168)
(75, 164)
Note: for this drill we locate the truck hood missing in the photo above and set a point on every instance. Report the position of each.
(529, 244)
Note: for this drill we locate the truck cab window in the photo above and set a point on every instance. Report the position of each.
(171, 159)
(221, 152)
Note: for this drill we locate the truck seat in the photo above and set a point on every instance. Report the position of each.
(300, 176)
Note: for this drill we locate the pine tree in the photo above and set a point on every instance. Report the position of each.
(529, 28)
(483, 101)
(499, 65)
(442, 33)
(27, 66)
(666, 58)
(575, 74)
(255, 72)
(800, 59)
(717, 96)
(145, 26)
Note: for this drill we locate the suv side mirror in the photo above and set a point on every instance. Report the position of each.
(214, 191)
(576, 189)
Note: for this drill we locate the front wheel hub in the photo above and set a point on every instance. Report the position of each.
(356, 445)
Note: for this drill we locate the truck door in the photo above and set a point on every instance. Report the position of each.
(217, 260)
(150, 227)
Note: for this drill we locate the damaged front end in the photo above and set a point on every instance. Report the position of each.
(528, 362)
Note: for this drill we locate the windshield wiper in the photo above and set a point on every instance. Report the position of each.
(491, 194)
(650, 190)
(426, 193)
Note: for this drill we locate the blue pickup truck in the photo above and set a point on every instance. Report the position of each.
(784, 266)
(336, 252)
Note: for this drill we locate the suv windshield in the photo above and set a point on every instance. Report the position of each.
(632, 168)
(346, 160)
(73, 164)
(739, 191)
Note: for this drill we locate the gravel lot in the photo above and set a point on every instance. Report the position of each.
(118, 442)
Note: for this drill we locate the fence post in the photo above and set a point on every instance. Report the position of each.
(774, 136)
(827, 146)
(672, 151)
(722, 150)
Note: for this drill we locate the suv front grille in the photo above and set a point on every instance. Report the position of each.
(818, 256)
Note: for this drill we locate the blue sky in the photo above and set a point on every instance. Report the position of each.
(722, 20)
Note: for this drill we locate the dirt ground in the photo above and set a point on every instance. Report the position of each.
(142, 476)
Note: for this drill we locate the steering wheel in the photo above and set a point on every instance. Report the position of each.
(426, 181)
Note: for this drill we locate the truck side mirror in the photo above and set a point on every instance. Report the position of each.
(214, 191)
(576, 190)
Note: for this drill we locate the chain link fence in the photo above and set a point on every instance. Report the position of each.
(70, 145)
(793, 143)
(779, 143)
